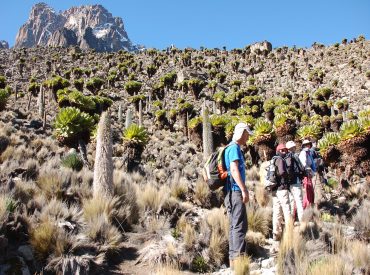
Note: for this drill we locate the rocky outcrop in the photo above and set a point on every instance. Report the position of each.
(261, 47)
(4, 44)
(89, 27)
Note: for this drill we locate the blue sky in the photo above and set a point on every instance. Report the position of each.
(217, 23)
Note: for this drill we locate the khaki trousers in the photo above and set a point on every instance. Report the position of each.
(280, 210)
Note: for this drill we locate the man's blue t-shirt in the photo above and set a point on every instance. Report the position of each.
(233, 153)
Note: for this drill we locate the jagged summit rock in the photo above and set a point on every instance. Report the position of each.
(4, 44)
(89, 27)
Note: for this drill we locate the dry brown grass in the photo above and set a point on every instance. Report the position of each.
(189, 236)
(7, 154)
(360, 253)
(43, 239)
(150, 199)
(242, 265)
(51, 182)
(168, 270)
(102, 232)
(217, 248)
(291, 251)
(156, 225)
(94, 208)
(331, 265)
(179, 188)
(218, 221)
(252, 174)
(263, 197)
(3, 208)
(258, 219)
(202, 193)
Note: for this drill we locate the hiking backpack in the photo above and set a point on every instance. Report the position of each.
(270, 179)
(295, 169)
(215, 171)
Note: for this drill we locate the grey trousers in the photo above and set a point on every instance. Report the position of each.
(238, 223)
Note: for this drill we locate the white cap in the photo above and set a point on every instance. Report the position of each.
(239, 129)
(290, 144)
(306, 141)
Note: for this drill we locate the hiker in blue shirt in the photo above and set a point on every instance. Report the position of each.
(236, 192)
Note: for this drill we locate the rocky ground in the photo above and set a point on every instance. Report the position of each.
(162, 217)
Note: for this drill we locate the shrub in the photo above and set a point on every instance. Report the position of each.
(71, 125)
(4, 96)
(350, 129)
(199, 264)
(72, 161)
(328, 140)
(76, 99)
(133, 87)
(309, 132)
(2, 82)
(136, 134)
(94, 84)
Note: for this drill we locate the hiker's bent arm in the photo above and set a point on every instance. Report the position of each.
(236, 176)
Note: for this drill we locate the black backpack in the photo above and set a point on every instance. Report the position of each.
(294, 166)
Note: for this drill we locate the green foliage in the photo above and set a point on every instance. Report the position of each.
(196, 85)
(158, 104)
(235, 82)
(194, 122)
(70, 123)
(269, 105)
(72, 161)
(102, 103)
(310, 131)
(67, 97)
(151, 70)
(79, 84)
(281, 119)
(137, 98)
(221, 77)
(328, 140)
(252, 100)
(169, 79)
(219, 120)
(133, 87)
(316, 75)
(351, 129)
(219, 96)
(136, 134)
(2, 82)
(57, 83)
(185, 107)
(199, 264)
(323, 93)
(94, 84)
(33, 88)
(262, 127)
(4, 96)
(288, 110)
(176, 233)
(160, 114)
(11, 205)
(364, 113)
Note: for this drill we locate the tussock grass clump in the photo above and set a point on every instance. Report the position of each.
(189, 236)
(104, 234)
(179, 188)
(217, 248)
(360, 253)
(258, 219)
(72, 161)
(43, 239)
(151, 199)
(242, 265)
(291, 251)
(331, 265)
(51, 183)
(202, 193)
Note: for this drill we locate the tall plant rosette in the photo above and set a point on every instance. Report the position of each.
(263, 139)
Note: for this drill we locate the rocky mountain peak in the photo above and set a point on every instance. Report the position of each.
(4, 44)
(89, 27)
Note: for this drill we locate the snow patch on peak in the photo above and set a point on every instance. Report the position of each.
(102, 30)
